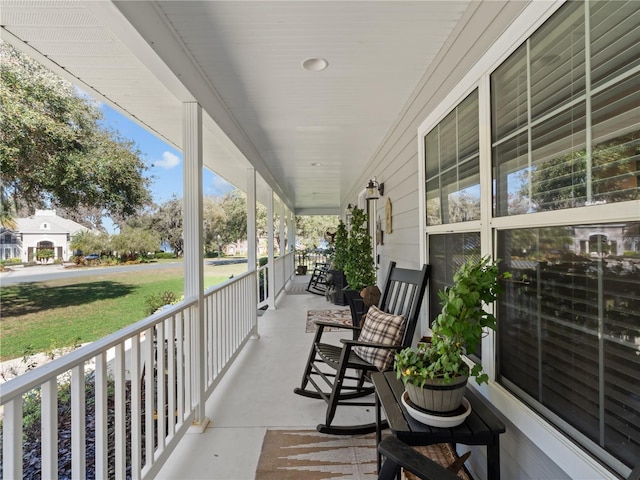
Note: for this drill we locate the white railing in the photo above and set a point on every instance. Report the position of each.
(283, 268)
(263, 287)
(230, 320)
(135, 387)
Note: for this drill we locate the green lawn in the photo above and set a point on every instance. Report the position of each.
(58, 313)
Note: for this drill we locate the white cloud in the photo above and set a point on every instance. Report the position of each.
(169, 160)
(82, 94)
(219, 185)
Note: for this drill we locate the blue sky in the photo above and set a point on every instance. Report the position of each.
(164, 161)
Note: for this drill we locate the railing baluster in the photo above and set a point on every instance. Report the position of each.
(120, 413)
(149, 395)
(12, 439)
(101, 420)
(171, 375)
(78, 422)
(137, 369)
(161, 350)
(49, 425)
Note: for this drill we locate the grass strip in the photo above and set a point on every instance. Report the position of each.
(42, 316)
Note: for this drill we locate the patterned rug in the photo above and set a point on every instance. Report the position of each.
(309, 455)
(342, 316)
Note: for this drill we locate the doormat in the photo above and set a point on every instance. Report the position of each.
(296, 454)
(342, 316)
(308, 454)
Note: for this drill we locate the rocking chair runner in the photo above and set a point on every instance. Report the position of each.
(387, 329)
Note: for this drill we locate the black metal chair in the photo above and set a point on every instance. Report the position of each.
(346, 372)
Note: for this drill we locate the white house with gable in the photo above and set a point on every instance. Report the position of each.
(43, 230)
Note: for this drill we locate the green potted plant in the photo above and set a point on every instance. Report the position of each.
(338, 261)
(435, 373)
(359, 268)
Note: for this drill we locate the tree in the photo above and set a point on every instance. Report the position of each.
(215, 219)
(91, 242)
(310, 229)
(53, 151)
(234, 205)
(133, 242)
(167, 222)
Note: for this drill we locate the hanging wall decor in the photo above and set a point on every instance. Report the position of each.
(387, 211)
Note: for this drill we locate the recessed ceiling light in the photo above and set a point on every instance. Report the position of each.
(315, 64)
(316, 164)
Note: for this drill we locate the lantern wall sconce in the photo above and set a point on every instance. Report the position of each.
(374, 189)
(348, 212)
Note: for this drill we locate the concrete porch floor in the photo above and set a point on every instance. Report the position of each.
(257, 394)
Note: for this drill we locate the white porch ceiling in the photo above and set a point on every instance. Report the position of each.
(241, 60)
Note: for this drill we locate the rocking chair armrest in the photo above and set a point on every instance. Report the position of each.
(358, 343)
(336, 325)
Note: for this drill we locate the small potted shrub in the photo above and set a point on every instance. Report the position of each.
(336, 269)
(435, 374)
(359, 269)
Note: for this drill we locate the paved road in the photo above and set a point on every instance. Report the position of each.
(55, 272)
(42, 273)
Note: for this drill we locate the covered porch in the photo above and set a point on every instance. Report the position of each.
(256, 394)
(454, 107)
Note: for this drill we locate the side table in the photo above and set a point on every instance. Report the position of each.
(481, 427)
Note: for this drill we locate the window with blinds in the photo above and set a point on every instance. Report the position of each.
(565, 134)
(447, 253)
(566, 112)
(452, 166)
(569, 328)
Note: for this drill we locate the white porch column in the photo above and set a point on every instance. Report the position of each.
(271, 273)
(252, 234)
(193, 248)
(291, 231)
(283, 218)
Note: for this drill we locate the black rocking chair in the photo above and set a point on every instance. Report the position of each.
(318, 281)
(346, 373)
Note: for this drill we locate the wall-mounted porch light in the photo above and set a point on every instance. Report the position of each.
(374, 189)
(348, 212)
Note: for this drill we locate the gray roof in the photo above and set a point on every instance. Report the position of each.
(58, 224)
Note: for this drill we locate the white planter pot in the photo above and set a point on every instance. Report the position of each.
(438, 396)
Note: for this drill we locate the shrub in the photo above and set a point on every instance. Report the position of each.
(158, 300)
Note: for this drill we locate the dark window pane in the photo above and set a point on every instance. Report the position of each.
(557, 60)
(559, 174)
(615, 35)
(509, 95)
(574, 300)
(447, 252)
(616, 142)
(434, 210)
(452, 166)
(511, 167)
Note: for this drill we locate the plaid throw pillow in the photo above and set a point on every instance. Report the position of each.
(384, 328)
